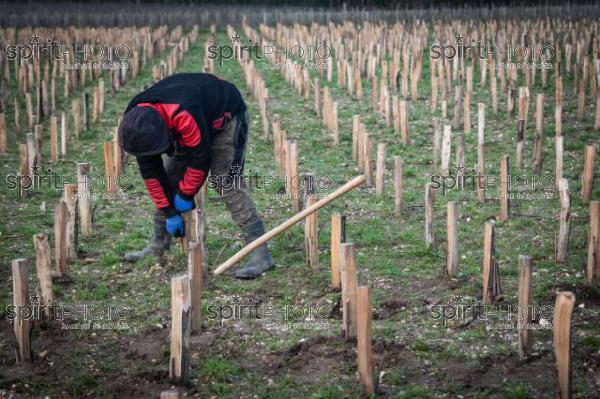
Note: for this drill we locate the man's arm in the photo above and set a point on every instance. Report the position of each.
(194, 143)
(157, 183)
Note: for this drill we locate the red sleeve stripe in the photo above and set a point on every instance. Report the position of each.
(187, 129)
(157, 193)
(192, 181)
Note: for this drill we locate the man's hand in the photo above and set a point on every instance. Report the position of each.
(175, 227)
(183, 205)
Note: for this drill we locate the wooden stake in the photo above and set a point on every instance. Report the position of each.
(170, 394)
(84, 197)
(23, 169)
(294, 177)
(398, 194)
(364, 348)
(180, 328)
(310, 230)
(539, 133)
(437, 141)
(452, 225)
(53, 139)
(70, 199)
(367, 160)
(109, 168)
(349, 288)
(593, 262)
(588, 173)
(3, 133)
(60, 237)
(21, 326)
(491, 278)
(338, 236)
(558, 169)
(524, 315)
(195, 274)
(404, 122)
(446, 142)
(43, 265)
(429, 206)
(29, 107)
(64, 134)
(380, 171)
(504, 189)
(562, 241)
(561, 330)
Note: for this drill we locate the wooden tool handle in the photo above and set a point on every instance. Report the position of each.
(357, 181)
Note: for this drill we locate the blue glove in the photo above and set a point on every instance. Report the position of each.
(183, 205)
(174, 226)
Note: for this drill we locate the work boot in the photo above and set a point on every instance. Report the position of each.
(161, 241)
(260, 260)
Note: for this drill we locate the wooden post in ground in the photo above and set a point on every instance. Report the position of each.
(84, 197)
(452, 225)
(96, 105)
(520, 142)
(562, 240)
(23, 168)
(170, 394)
(317, 94)
(404, 122)
(349, 288)
(109, 168)
(86, 112)
(367, 157)
(504, 189)
(539, 133)
(467, 113)
(558, 169)
(334, 123)
(588, 173)
(446, 142)
(3, 133)
(429, 204)
(76, 116)
(437, 141)
(196, 275)
(524, 315)
(355, 136)
(70, 199)
(364, 341)
(43, 265)
(21, 326)
(32, 152)
(338, 236)
(310, 225)
(398, 194)
(180, 328)
(294, 177)
(492, 291)
(60, 237)
(380, 170)
(64, 134)
(29, 107)
(593, 262)
(561, 331)
(53, 138)
(481, 181)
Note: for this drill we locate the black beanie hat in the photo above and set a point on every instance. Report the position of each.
(143, 132)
